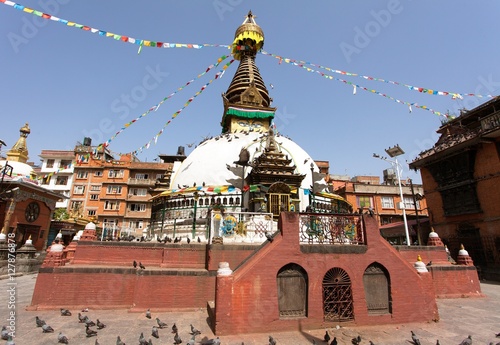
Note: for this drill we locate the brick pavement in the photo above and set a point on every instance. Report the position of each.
(479, 317)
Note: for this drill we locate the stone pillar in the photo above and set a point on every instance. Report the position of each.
(53, 259)
(434, 239)
(463, 257)
(223, 299)
(70, 251)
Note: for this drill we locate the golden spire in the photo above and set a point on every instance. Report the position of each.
(19, 152)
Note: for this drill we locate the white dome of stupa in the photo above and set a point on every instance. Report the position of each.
(19, 169)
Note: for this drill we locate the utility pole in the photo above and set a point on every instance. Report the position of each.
(419, 236)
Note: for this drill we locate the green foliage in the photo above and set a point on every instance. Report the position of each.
(60, 214)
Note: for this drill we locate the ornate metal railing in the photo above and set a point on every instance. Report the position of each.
(318, 228)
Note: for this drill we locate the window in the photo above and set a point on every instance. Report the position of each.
(79, 190)
(50, 163)
(46, 180)
(365, 201)
(114, 190)
(65, 164)
(138, 191)
(62, 181)
(94, 197)
(76, 205)
(115, 173)
(98, 173)
(141, 176)
(91, 213)
(138, 224)
(95, 188)
(387, 202)
(81, 174)
(408, 200)
(138, 207)
(111, 205)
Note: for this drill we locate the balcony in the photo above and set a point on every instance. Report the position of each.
(141, 182)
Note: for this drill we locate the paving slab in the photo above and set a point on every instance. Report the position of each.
(478, 316)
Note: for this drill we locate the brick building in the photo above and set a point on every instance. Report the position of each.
(461, 175)
(115, 193)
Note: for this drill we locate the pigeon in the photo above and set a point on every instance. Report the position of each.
(467, 341)
(99, 324)
(96, 342)
(199, 239)
(215, 341)
(141, 266)
(272, 341)
(119, 341)
(161, 324)
(148, 314)
(191, 341)
(81, 318)
(90, 332)
(89, 322)
(194, 331)
(85, 310)
(356, 341)
(371, 342)
(415, 339)
(334, 341)
(5, 333)
(65, 312)
(269, 236)
(174, 328)
(326, 337)
(437, 342)
(135, 264)
(188, 240)
(39, 322)
(142, 339)
(177, 339)
(62, 339)
(154, 332)
(10, 341)
(47, 329)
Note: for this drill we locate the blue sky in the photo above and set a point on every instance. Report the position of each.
(69, 83)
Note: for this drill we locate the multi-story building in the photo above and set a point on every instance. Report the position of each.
(367, 194)
(56, 173)
(116, 193)
(461, 175)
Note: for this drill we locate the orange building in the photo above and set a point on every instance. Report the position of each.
(115, 193)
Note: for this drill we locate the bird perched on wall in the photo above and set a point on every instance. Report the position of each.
(188, 240)
(334, 341)
(65, 312)
(154, 332)
(467, 341)
(135, 264)
(5, 333)
(174, 328)
(90, 332)
(177, 339)
(160, 323)
(148, 313)
(272, 341)
(326, 338)
(269, 236)
(141, 266)
(199, 239)
(99, 324)
(47, 329)
(62, 339)
(414, 338)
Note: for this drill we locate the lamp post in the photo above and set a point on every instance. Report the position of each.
(311, 192)
(416, 212)
(394, 152)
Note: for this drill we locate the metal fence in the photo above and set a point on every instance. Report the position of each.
(317, 228)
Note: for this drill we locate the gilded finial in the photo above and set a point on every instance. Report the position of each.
(462, 246)
(419, 258)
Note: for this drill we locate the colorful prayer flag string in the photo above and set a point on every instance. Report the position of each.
(123, 38)
(155, 107)
(218, 75)
(303, 64)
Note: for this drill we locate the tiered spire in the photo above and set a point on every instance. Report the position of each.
(19, 152)
(247, 96)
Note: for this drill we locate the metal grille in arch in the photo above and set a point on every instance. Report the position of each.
(337, 296)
